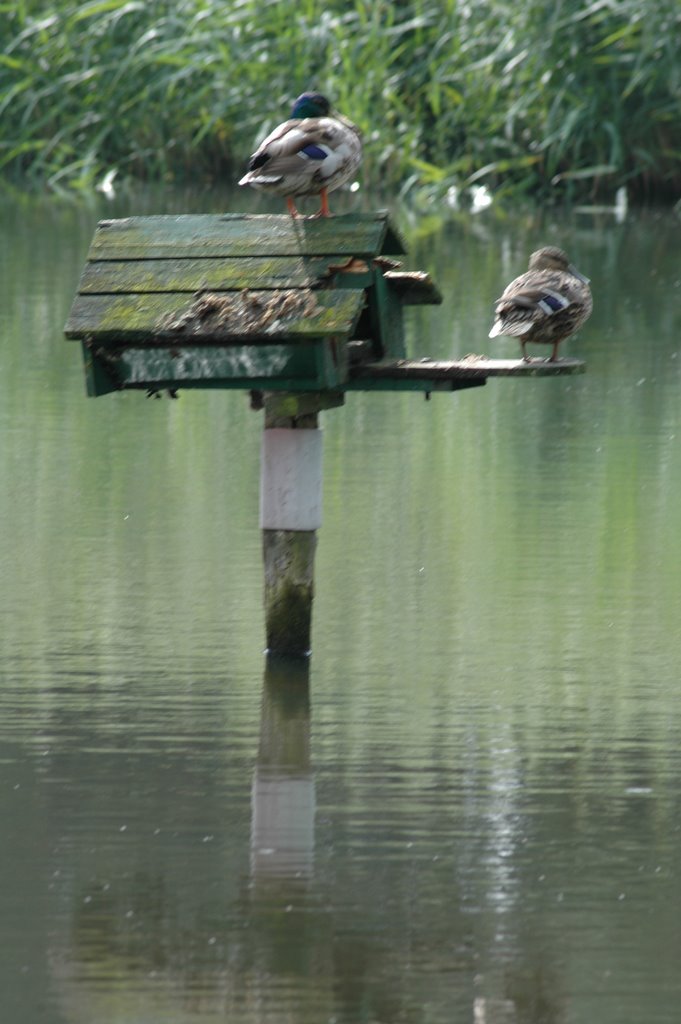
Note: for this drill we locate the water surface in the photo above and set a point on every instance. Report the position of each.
(466, 808)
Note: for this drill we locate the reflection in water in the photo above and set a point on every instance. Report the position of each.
(290, 960)
(484, 825)
(170, 941)
(283, 795)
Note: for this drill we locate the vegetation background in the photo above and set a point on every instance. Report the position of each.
(564, 98)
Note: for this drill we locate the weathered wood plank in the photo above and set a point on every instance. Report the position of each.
(207, 235)
(281, 409)
(195, 275)
(414, 287)
(385, 316)
(288, 557)
(422, 384)
(256, 316)
(468, 368)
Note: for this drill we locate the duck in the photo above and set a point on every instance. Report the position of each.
(311, 153)
(546, 304)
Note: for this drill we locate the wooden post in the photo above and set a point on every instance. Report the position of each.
(290, 514)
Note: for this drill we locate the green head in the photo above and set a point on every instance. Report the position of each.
(311, 104)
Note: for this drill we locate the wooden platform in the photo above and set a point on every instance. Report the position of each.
(440, 375)
(261, 302)
(239, 301)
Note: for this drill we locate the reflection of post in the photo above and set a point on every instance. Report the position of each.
(493, 1011)
(283, 799)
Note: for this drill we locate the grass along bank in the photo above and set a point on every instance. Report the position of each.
(567, 99)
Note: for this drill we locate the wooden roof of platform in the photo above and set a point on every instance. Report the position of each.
(260, 302)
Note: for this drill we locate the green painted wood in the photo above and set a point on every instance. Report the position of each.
(220, 274)
(312, 366)
(234, 235)
(332, 362)
(235, 301)
(257, 316)
(352, 279)
(298, 384)
(100, 377)
(386, 318)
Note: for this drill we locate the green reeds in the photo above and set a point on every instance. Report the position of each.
(546, 98)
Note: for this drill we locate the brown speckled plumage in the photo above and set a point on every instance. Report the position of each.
(544, 305)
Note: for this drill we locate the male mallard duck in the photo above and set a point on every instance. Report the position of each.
(310, 154)
(546, 304)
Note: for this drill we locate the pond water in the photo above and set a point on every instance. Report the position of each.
(467, 807)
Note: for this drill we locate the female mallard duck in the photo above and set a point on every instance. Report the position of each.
(310, 154)
(546, 304)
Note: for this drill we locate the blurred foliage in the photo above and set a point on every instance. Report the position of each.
(568, 99)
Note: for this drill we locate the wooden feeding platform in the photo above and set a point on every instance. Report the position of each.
(260, 302)
(439, 375)
(296, 311)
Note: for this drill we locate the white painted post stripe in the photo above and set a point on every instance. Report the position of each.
(291, 479)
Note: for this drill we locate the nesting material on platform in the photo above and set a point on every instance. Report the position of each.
(242, 312)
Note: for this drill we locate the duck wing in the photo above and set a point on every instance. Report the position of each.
(529, 300)
(322, 143)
